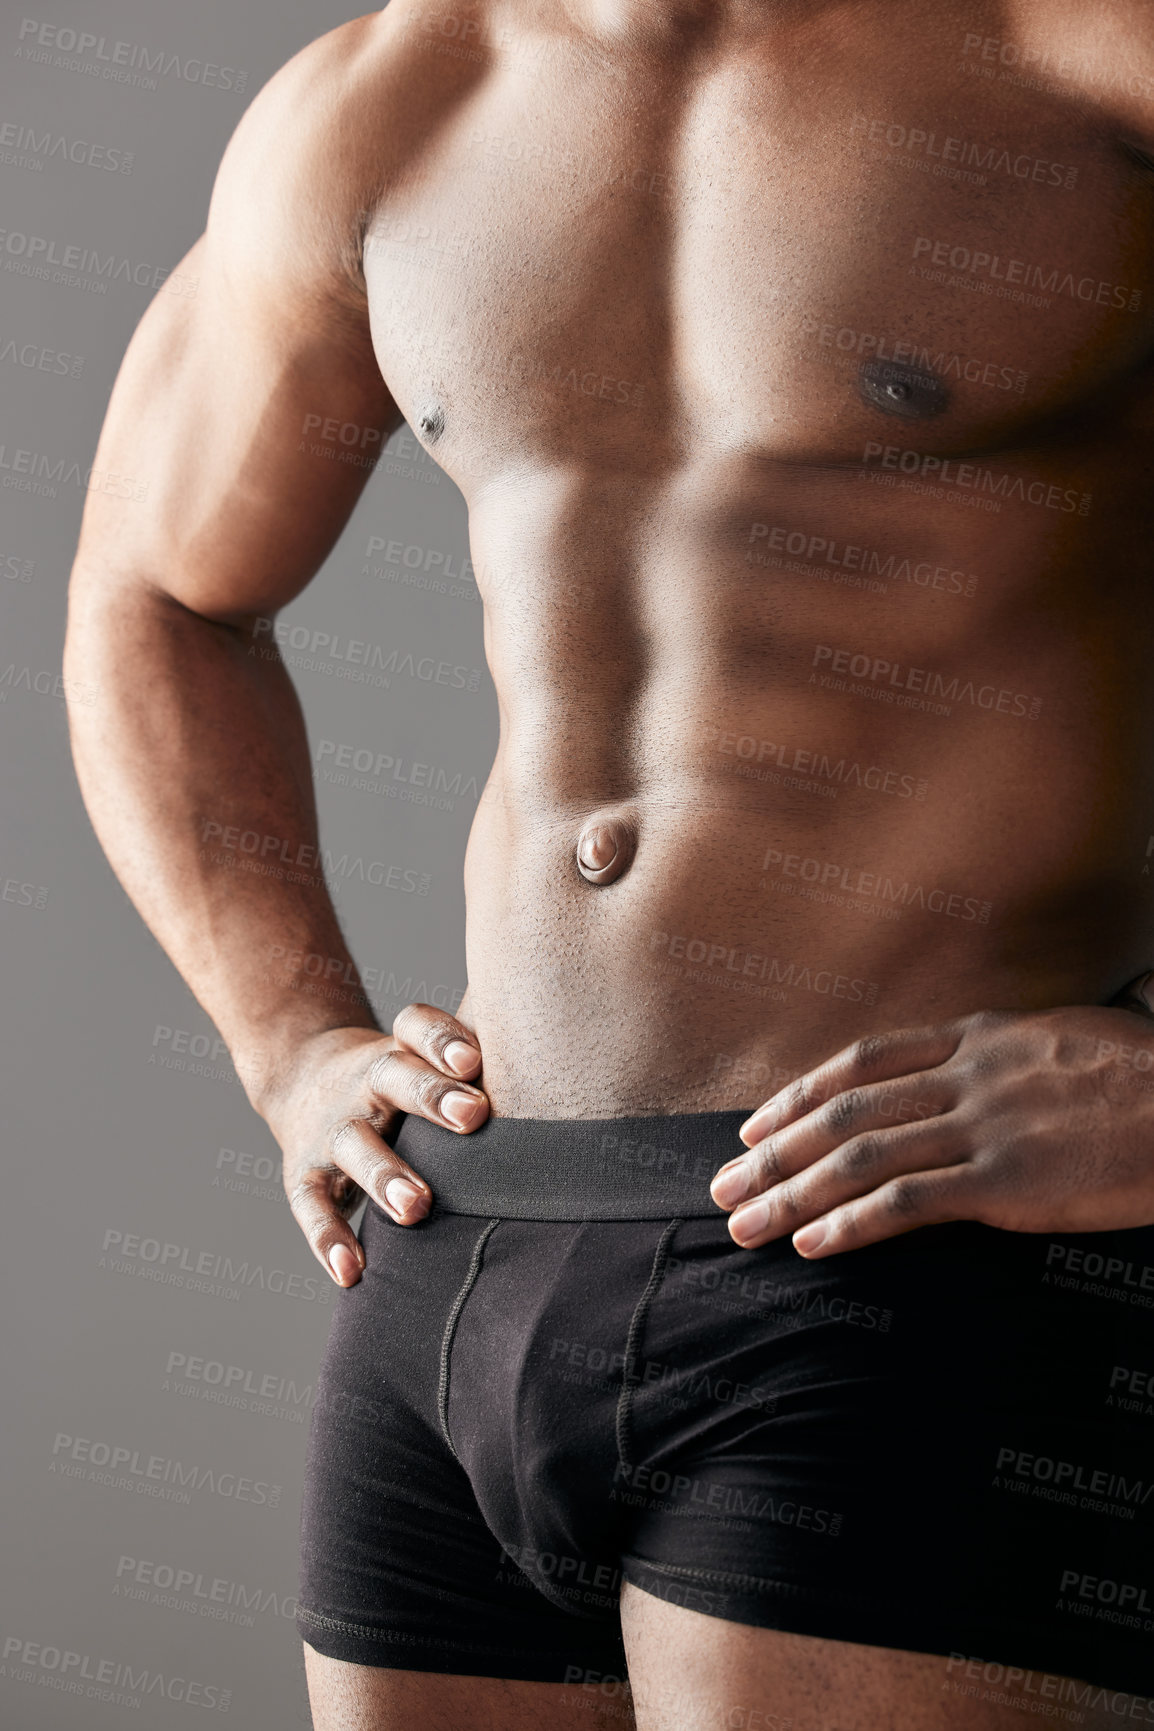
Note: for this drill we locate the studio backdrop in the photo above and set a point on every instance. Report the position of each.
(165, 1317)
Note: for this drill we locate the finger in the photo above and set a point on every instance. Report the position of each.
(857, 1168)
(399, 1081)
(369, 1161)
(319, 1215)
(917, 1199)
(882, 1105)
(438, 1038)
(875, 1058)
(1136, 995)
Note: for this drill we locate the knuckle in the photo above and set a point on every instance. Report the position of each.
(412, 1020)
(440, 1033)
(377, 1171)
(383, 1077)
(867, 1052)
(425, 1090)
(803, 1098)
(345, 1140)
(304, 1196)
(786, 1203)
(860, 1157)
(766, 1162)
(904, 1198)
(796, 1099)
(843, 1110)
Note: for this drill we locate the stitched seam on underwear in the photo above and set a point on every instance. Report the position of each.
(757, 1583)
(398, 1638)
(624, 1426)
(451, 1329)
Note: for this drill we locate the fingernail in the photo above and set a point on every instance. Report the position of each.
(344, 1264)
(460, 1057)
(731, 1186)
(750, 1220)
(808, 1238)
(750, 1131)
(402, 1196)
(460, 1109)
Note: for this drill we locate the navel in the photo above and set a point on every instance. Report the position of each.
(605, 849)
(913, 393)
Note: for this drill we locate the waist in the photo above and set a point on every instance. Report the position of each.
(648, 1168)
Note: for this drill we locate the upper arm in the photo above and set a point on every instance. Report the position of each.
(220, 396)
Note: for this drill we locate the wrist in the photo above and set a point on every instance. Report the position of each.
(269, 1073)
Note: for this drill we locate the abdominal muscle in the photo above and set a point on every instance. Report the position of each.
(835, 810)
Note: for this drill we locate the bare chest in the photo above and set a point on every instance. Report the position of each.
(783, 250)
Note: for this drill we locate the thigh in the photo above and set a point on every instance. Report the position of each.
(347, 1697)
(691, 1670)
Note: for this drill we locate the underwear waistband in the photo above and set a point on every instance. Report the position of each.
(575, 1168)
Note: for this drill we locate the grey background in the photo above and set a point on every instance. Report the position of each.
(119, 1116)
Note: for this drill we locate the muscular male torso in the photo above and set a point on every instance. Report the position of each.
(794, 362)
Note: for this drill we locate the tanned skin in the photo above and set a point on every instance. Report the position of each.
(601, 255)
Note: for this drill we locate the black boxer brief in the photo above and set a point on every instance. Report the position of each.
(568, 1376)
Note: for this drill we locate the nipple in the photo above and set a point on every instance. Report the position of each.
(911, 392)
(431, 422)
(605, 849)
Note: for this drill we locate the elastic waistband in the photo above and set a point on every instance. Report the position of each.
(575, 1168)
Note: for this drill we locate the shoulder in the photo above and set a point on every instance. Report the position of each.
(1100, 57)
(320, 145)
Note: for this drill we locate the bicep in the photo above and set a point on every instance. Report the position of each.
(217, 415)
(220, 409)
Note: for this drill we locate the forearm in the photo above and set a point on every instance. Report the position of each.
(188, 737)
